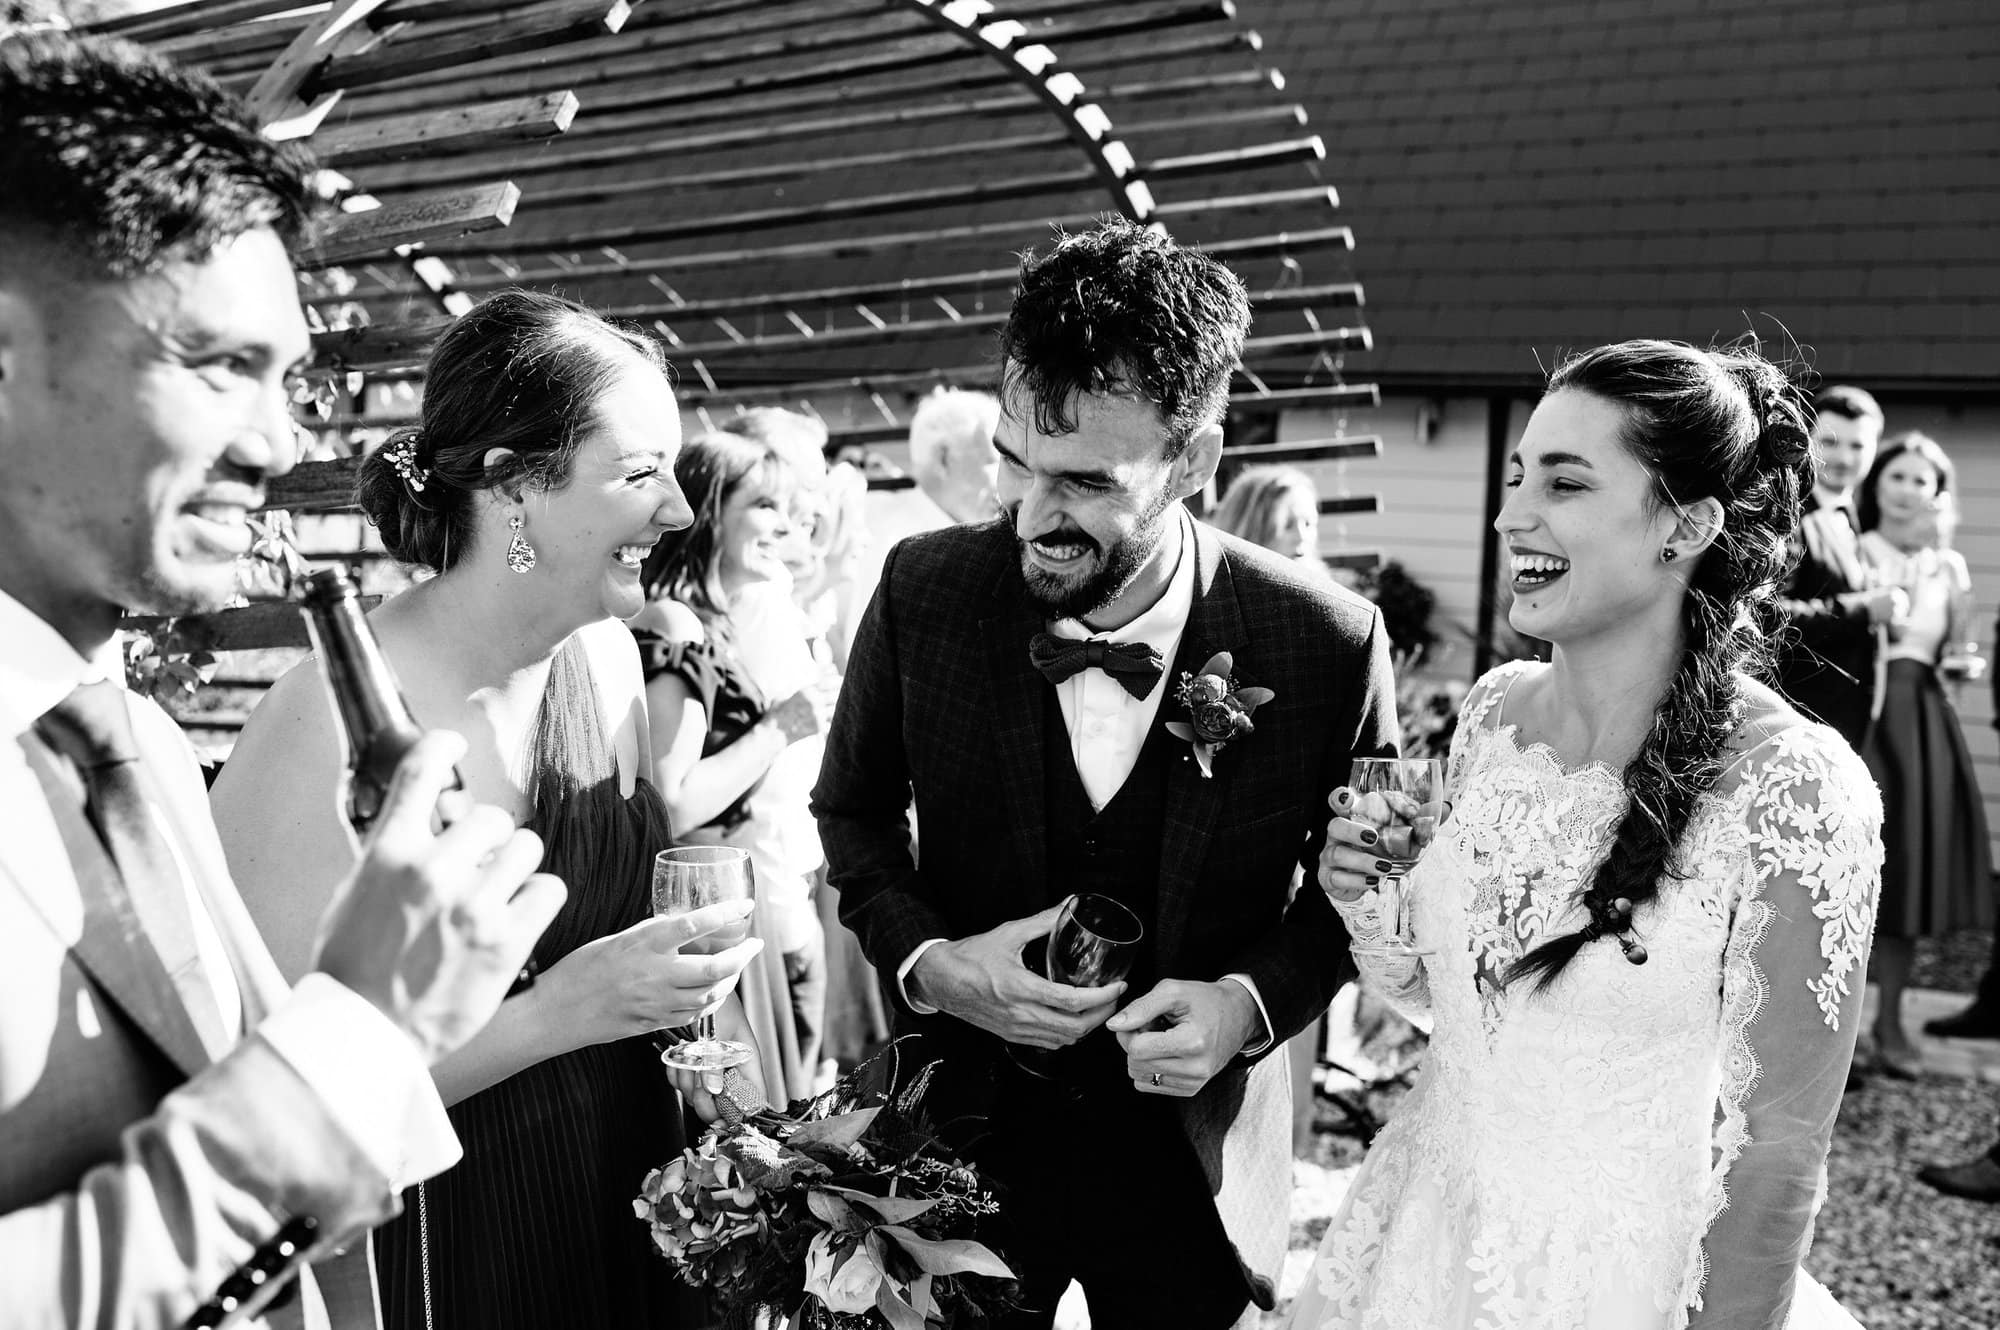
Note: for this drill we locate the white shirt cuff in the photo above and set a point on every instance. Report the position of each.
(369, 1075)
(903, 978)
(1263, 1041)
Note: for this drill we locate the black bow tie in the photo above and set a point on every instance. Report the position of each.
(1133, 664)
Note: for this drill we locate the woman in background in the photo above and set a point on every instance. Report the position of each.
(540, 476)
(1937, 870)
(719, 738)
(1276, 507)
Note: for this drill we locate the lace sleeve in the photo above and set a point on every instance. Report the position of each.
(1791, 1000)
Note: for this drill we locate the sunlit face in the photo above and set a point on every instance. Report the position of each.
(1582, 531)
(753, 533)
(1295, 526)
(139, 420)
(803, 544)
(1908, 489)
(1844, 449)
(1090, 508)
(591, 537)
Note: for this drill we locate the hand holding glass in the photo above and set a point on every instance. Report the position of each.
(1094, 942)
(687, 878)
(1403, 799)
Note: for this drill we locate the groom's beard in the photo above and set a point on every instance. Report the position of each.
(1108, 572)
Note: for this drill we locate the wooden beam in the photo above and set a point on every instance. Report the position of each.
(1351, 503)
(1319, 339)
(1256, 157)
(312, 487)
(447, 130)
(376, 345)
(1343, 449)
(213, 47)
(1355, 560)
(441, 46)
(125, 18)
(590, 232)
(279, 98)
(271, 623)
(411, 220)
(1330, 394)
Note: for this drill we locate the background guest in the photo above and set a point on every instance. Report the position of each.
(1937, 873)
(540, 475)
(1980, 1020)
(718, 737)
(1826, 663)
(1276, 507)
(168, 1109)
(951, 453)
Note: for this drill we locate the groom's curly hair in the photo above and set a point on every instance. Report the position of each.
(1124, 310)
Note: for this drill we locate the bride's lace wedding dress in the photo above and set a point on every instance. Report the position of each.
(1642, 1146)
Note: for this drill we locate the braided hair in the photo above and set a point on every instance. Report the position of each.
(1725, 425)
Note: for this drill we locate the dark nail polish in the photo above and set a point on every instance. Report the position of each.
(1368, 836)
(1370, 880)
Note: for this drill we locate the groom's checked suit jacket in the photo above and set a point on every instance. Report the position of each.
(941, 708)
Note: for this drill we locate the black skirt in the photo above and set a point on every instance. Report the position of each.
(1937, 870)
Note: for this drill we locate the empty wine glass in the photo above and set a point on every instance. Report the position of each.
(687, 878)
(1094, 942)
(1403, 799)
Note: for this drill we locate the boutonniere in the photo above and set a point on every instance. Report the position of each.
(1218, 711)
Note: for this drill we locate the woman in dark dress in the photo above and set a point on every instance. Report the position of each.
(717, 740)
(541, 475)
(1937, 874)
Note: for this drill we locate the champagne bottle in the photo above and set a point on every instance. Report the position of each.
(374, 718)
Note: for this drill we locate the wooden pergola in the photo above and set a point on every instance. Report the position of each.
(812, 203)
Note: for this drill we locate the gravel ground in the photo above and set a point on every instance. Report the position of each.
(1953, 962)
(1898, 1255)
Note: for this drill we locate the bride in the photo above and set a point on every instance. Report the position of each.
(1647, 914)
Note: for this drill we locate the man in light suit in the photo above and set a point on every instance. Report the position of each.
(178, 1132)
(1017, 683)
(1826, 661)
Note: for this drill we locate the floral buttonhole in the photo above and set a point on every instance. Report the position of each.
(1218, 710)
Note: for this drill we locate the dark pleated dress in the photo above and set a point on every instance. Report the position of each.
(533, 1230)
(1937, 872)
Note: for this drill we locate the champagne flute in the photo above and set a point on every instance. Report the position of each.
(687, 878)
(1403, 799)
(1094, 942)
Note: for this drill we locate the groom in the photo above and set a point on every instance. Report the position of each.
(1153, 1163)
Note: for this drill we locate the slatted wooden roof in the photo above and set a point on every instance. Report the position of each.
(811, 202)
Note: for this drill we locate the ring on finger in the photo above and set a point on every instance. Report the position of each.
(1156, 1080)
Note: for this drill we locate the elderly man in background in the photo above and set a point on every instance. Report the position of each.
(178, 1132)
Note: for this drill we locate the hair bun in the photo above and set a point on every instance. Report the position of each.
(1784, 430)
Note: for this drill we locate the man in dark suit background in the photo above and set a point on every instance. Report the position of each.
(1826, 662)
(1007, 682)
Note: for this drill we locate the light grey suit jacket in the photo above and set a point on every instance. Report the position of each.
(136, 1174)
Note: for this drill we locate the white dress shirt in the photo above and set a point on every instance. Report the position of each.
(366, 1071)
(1107, 726)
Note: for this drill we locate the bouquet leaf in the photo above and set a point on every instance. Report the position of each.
(948, 1256)
(834, 1133)
(834, 1212)
(892, 1209)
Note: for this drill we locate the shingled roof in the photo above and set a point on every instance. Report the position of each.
(1527, 176)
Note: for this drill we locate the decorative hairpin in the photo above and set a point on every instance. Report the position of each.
(402, 455)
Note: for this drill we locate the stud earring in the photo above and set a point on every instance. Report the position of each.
(520, 554)
(1668, 554)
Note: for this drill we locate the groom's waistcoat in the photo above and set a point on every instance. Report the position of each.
(1113, 851)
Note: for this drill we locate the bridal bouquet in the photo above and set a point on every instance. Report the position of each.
(843, 1211)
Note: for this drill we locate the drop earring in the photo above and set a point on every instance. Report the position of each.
(520, 554)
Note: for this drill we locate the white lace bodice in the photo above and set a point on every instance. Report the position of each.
(1639, 1140)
